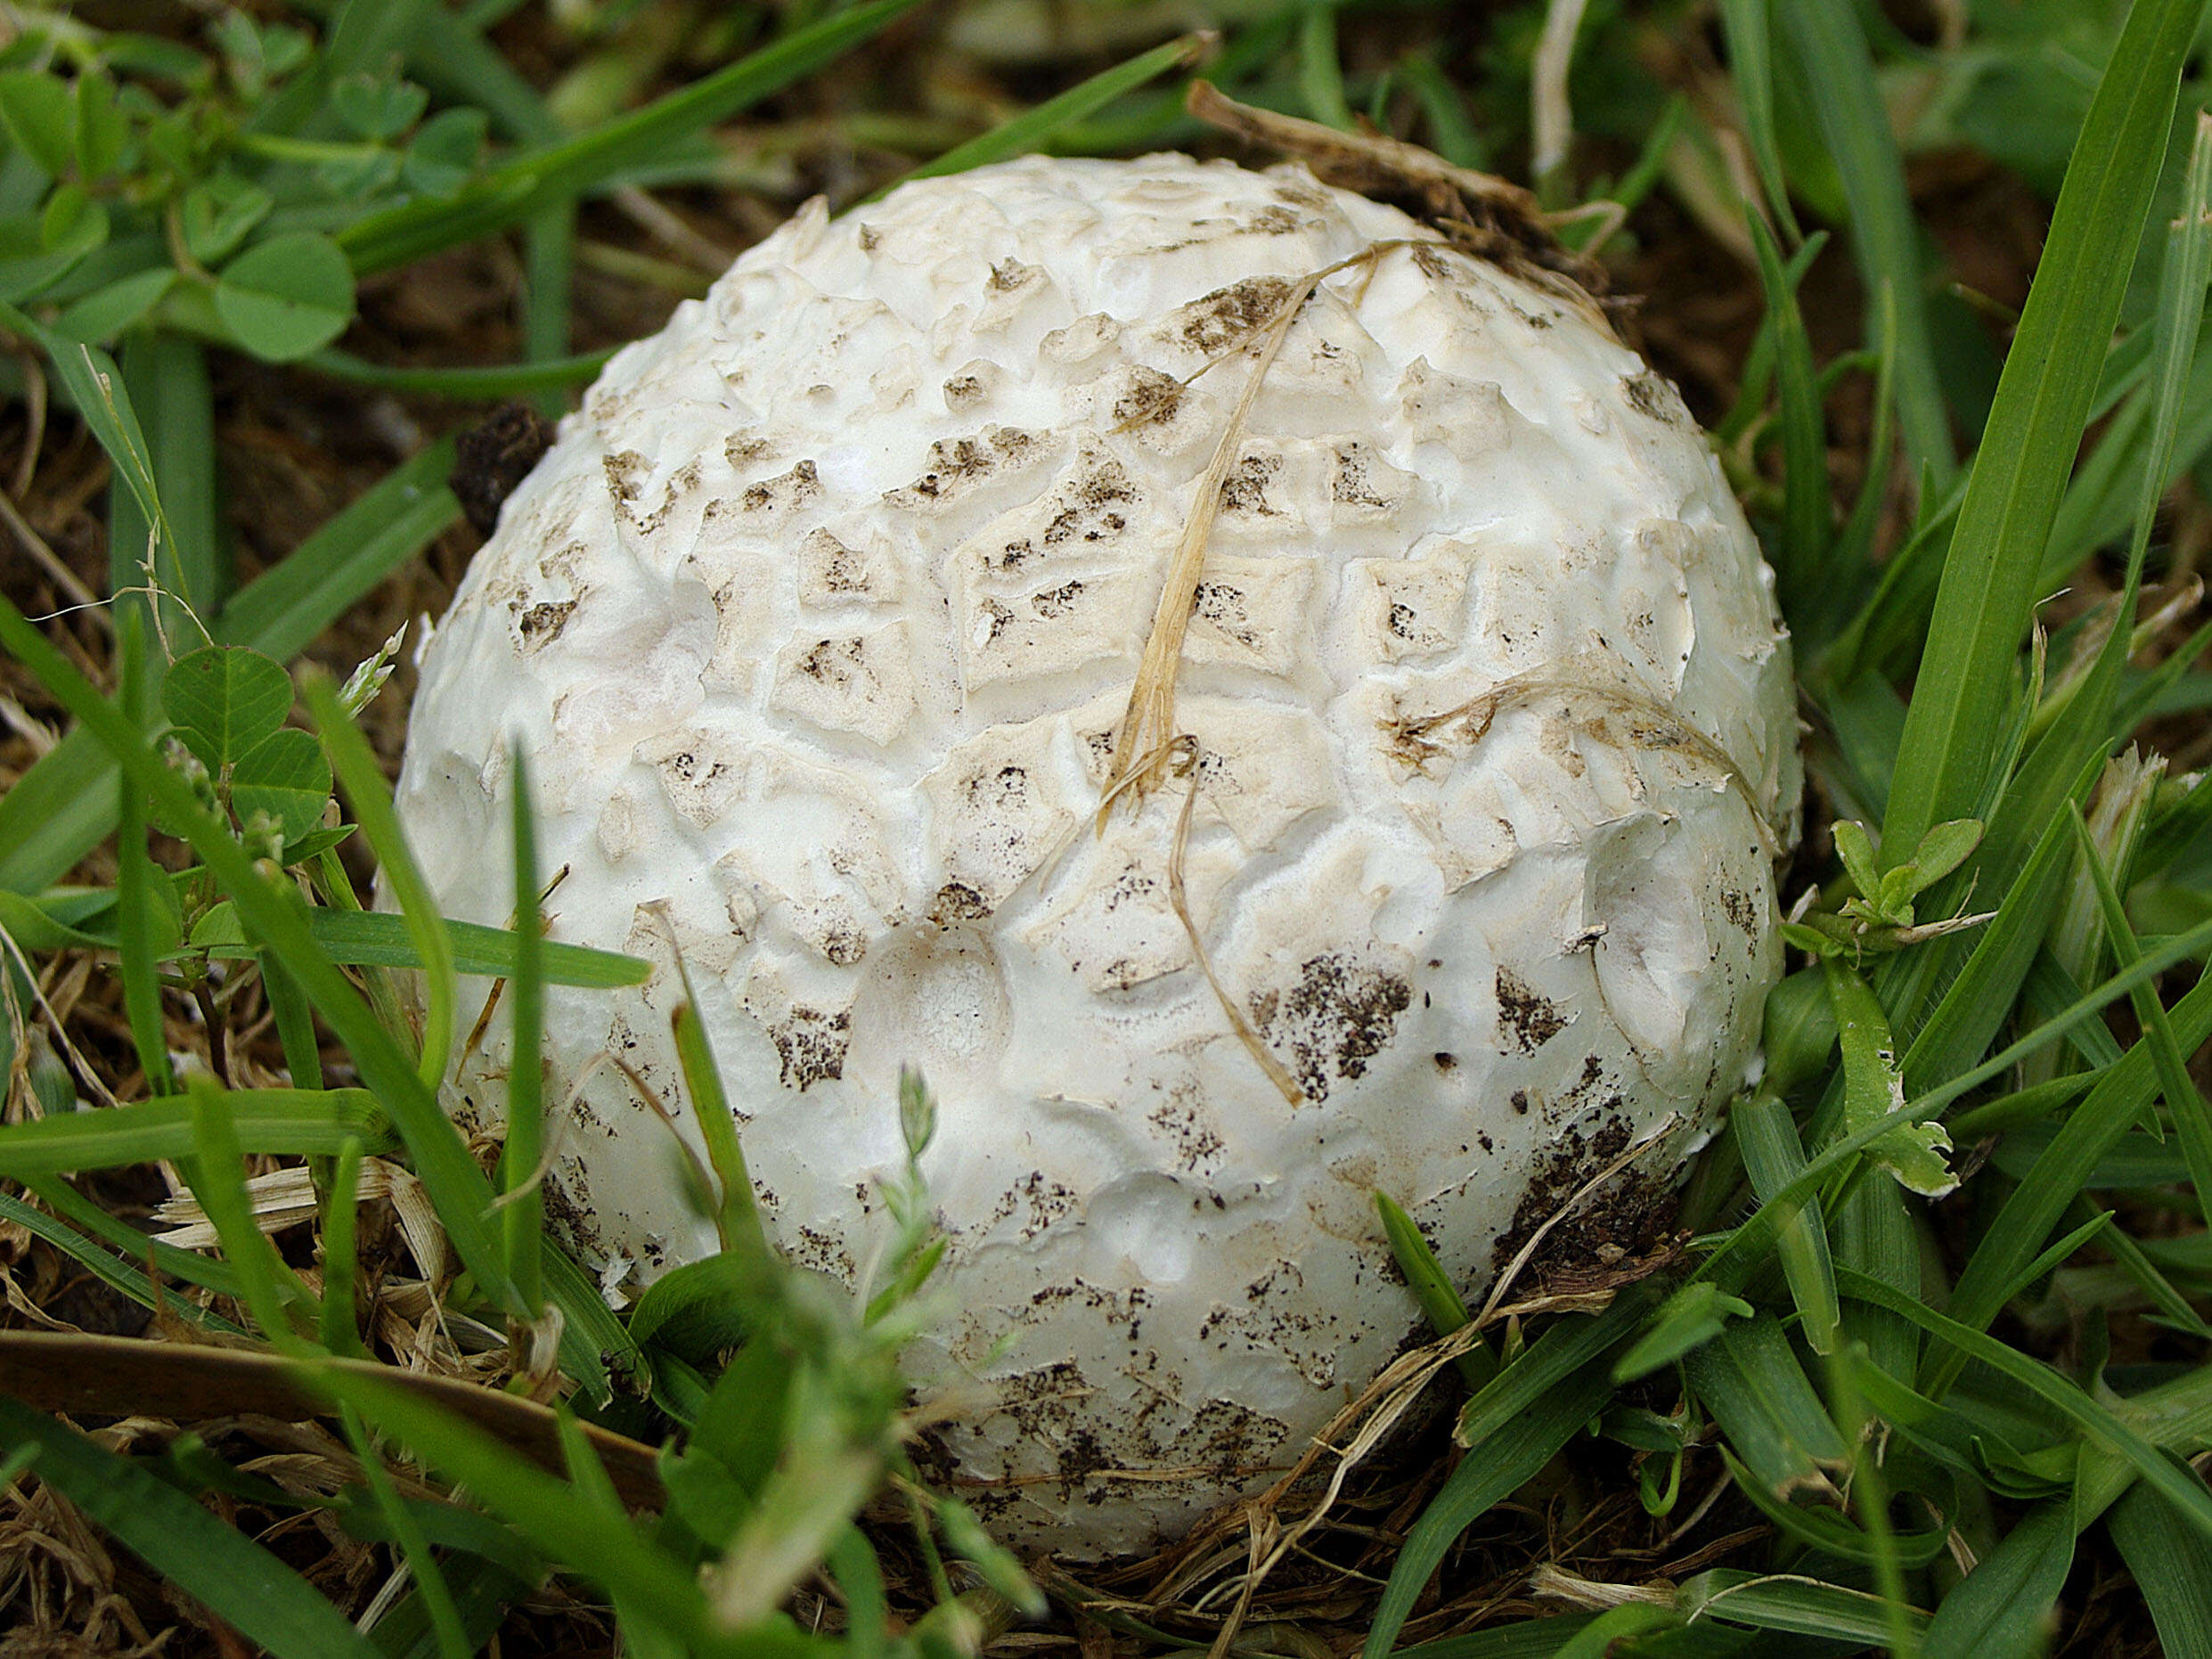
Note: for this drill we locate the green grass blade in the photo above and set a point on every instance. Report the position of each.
(88, 1217)
(1772, 1155)
(378, 939)
(1748, 24)
(1321, 72)
(2004, 1608)
(736, 1211)
(341, 1210)
(541, 178)
(524, 1216)
(117, 1274)
(1959, 706)
(217, 1174)
(295, 1024)
(290, 1122)
(2192, 1118)
(1749, 1380)
(208, 1559)
(1432, 1288)
(276, 916)
(1831, 48)
(1033, 128)
(169, 385)
(140, 940)
(1794, 1605)
(466, 383)
(1802, 578)
(363, 780)
(2172, 1566)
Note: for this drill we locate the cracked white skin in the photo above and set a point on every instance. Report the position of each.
(817, 625)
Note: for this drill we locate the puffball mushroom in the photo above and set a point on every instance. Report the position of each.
(821, 625)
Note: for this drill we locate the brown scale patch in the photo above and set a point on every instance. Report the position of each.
(572, 1221)
(1246, 488)
(957, 901)
(1530, 1019)
(955, 463)
(540, 625)
(1743, 909)
(963, 389)
(803, 483)
(870, 238)
(1349, 482)
(1229, 316)
(1045, 1200)
(1056, 601)
(811, 1044)
(1091, 514)
(1151, 399)
(1339, 1016)
(1650, 395)
(1628, 1216)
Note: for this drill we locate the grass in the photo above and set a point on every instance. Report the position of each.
(1933, 1373)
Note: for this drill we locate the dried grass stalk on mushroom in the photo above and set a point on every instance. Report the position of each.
(1263, 700)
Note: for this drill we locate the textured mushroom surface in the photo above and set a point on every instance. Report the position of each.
(819, 623)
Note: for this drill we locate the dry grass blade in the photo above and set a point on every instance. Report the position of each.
(1148, 733)
(116, 1375)
(1489, 217)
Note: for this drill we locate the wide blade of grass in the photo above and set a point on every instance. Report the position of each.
(291, 1122)
(378, 939)
(1805, 586)
(2172, 1565)
(2004, 1608)
(528, 185)
(1839, 72)
(1747, 1378)
(140, 940)
(1960, 703)
(1432, 1288)
(467, 383)
(204, 1557)
(1793, 1603)
(519, 1176)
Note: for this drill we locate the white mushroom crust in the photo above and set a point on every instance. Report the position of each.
(818, 624)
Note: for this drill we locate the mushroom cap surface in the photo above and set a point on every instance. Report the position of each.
(818, 625)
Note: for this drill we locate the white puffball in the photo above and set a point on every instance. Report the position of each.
(818, 624)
